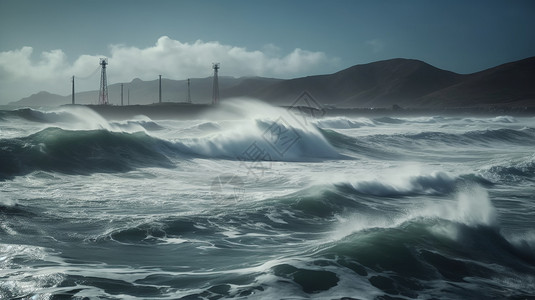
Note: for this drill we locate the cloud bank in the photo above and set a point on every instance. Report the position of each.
(21, 76)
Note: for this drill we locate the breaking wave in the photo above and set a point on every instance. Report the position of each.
(263, 140)
(395, 146)
(429, 184)
(80, 152)
(82, 118)
(524, 136)
(101, 150)
(402, 252)
(518, 171)
(343, 123)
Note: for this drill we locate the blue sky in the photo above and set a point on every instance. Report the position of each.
(43, 43)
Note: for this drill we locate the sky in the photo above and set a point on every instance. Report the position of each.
(44, 43)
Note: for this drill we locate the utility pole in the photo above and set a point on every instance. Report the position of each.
(160, 90)
(128, 96)
(189, 93)
(121, 94)
(72, 89)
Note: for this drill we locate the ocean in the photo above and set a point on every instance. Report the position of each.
(261, 202)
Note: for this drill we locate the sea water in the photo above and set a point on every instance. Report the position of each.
(258, 202)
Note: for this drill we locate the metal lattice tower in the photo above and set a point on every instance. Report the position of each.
(103, 94)
(215, 94)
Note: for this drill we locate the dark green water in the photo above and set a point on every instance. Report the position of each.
(338, 208)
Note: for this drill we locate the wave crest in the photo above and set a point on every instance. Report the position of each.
(80, 152)
(263, 140)
(429, 184)
(343, 123)
(513, 171)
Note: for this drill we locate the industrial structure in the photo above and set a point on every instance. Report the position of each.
(215, 94)
(103, 94)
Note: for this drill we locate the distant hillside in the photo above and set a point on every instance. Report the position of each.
(412, 83)
(42, 99)
(378, 84)
(511, 84)
(404, 82)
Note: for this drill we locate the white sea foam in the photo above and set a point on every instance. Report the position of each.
(433, 183)
(343, 123)
(470, 206)
(260, 132)
(83, 118)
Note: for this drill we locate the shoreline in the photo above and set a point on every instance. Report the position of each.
(189, 111)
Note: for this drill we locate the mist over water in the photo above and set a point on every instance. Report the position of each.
(258, 202)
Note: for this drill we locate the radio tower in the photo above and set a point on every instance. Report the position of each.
(215, 95)
(103, 94)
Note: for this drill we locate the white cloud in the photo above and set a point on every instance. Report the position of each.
(20, 75)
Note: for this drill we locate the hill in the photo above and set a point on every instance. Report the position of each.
(511, 84)
(378, 84)
(403, 82)
(42, 99)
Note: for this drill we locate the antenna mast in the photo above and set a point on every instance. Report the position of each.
(73, 89)
(103, 94)
(215, 94)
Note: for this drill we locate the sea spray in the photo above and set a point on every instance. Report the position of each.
(343, 123)
(83, 118)
(474, 207)
(272, 134)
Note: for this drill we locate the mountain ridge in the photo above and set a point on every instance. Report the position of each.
(399, 81)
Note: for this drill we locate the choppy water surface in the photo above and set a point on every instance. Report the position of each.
(267, 205)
